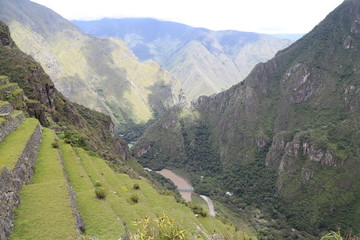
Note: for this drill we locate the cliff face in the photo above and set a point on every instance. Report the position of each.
(297, 115)
(49, 106)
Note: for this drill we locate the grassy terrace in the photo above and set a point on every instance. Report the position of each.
(99, 218)
(104, 218)
(12, 146)
(151, 203)
(7, 85)
(117, 196)
(45, 210)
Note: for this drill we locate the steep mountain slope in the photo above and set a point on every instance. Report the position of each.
(286, 139)
(204, 61)
(49, 106)
(99, 73)
(51, 181)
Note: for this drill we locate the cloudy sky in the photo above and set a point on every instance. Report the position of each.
(265, 16)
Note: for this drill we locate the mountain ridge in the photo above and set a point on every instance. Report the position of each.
(232, 53)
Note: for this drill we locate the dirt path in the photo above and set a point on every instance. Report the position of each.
(179, 182)
(210, 204)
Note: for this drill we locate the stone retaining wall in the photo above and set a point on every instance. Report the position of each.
(12, 123)
(4, 80)
(12, 181)
(6, 90)
(78, 219)
(6, 108)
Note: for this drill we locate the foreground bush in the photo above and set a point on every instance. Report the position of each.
(100, 193)
(134, 198)
(162, 228)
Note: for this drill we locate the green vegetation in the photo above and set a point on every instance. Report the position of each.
(127, 199)
(45, 210)
(100, 193)
(285, 142)
(99, 218)
(12, 146)
(134, 198)
(162, 228)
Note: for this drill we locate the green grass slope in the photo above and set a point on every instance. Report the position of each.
(12, 146)
(114, 216)
(99, 218)
(45, 211)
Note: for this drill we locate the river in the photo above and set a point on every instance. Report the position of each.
(185, 188)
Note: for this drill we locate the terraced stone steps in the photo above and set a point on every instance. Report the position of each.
(6, 89)
(18, 151)
(119, 188)
(11, 92)
(45, 211)
(4, 80)
(5, 108)
(16, 143)
(10, 120)
(100, 219)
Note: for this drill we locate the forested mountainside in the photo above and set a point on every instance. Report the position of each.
(204, 61)
(100, 73)
(55, 182)
(286, 140)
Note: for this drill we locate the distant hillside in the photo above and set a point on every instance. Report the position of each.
(291, 36)
(204, 61)
(99, 73)
(286, 140)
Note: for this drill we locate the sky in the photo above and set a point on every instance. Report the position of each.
(263, 16)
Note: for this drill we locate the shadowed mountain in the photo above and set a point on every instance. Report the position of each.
(204, 61)
(286, 139)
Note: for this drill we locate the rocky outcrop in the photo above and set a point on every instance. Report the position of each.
(11, 182)
(290, 154)
(5, 39)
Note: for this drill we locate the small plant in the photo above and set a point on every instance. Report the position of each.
(161, 228)
(100, 193)
(97, 183)
(134, 198)
(136, 186)
(332, 236)
(55, 144)
(203, 213)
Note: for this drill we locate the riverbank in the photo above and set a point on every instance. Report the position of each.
(186, 189)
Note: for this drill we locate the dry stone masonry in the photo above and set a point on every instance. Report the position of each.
(11, 182)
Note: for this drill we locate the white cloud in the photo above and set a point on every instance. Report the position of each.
(275, 16)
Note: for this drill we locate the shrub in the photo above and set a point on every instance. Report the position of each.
(161, 228)
(136, 186)
(55, 144)
(100, 193)
(134, 198)
(97, 183)
(203, 213)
